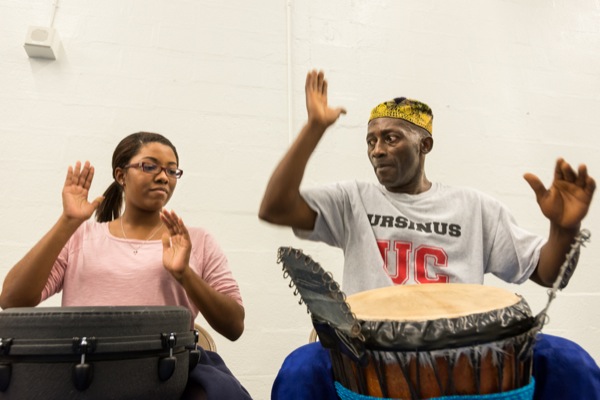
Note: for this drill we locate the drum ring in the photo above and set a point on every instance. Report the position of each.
(345, 308)
(341, 296)
(356, 331)
(329, 277)
(546, 319)
(283, 252)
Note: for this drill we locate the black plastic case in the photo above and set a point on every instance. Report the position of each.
(103, 353)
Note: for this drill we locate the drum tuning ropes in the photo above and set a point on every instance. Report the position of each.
(564, 275)
(568, 267)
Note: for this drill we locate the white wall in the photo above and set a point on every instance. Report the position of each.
(513, 85)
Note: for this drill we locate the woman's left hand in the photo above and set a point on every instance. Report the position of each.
(177, 245)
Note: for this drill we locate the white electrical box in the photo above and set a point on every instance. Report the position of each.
(42, 42)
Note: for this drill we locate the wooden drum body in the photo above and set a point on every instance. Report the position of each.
(96, 352)
(436, 340)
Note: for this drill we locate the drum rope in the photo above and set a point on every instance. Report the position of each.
(564, 275)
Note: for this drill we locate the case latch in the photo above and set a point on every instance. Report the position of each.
(5, 368)
(166, 365)
(83, 372)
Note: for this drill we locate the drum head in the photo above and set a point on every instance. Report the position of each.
(426, 302)
(438, 316)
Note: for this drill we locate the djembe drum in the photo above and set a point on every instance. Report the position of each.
(423, 341)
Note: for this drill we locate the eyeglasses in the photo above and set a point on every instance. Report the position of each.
(151, 168)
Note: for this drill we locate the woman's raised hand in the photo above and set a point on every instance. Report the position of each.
(75, 192)
(177, 245)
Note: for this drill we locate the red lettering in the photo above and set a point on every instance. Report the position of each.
(425, 258)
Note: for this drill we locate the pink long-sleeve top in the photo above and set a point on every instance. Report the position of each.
(96, 268)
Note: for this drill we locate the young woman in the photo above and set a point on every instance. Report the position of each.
(142, 256)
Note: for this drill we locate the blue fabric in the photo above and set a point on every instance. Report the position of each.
(524, 393)
(305, 374)
(564, 370)
(561, 368)
(212, 380)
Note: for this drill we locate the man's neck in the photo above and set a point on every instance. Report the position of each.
(419, 187)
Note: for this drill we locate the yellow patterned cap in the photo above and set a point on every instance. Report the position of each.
(402, 108)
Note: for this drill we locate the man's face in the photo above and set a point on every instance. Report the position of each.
(395, 151)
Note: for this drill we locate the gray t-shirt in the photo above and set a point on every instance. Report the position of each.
(446, 234)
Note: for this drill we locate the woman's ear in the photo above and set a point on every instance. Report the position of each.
(120, 176)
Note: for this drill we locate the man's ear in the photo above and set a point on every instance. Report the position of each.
(426, 144)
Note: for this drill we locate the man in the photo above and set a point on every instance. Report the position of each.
(460, 234)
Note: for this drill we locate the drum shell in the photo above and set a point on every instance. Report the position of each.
(484, 369)
(40, 351)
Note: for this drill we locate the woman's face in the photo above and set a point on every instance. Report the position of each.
(149, 191)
